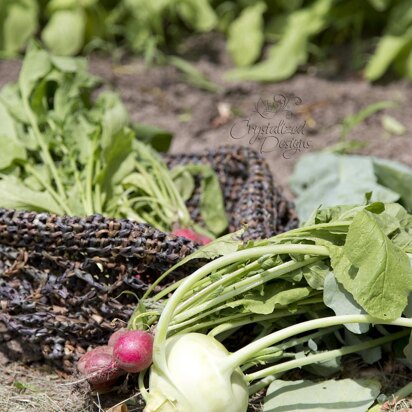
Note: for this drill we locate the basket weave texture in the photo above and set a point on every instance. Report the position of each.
(62, 277)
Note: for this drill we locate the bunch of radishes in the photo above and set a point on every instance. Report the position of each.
(127, 351)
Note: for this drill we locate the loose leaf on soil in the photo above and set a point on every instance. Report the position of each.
(342, 303)
(375, 271)
(346, 395)
(245, 49)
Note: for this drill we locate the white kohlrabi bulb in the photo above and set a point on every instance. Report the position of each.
(197, 378)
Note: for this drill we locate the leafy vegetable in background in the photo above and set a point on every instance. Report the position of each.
(69, 154)
(297, 32)
(326, 179)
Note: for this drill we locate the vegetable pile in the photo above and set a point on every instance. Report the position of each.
(67, 153)
(301, 299)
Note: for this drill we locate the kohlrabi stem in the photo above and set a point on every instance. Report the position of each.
(325, 356)
(246, 284)
(159, 354)
(247, 352)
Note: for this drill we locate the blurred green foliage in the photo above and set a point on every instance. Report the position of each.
(378, 32)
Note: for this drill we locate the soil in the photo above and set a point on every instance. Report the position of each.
(162, 96)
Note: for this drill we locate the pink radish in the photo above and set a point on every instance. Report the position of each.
(115, 336)
(81, 364)
(132, 351)
(192, 235)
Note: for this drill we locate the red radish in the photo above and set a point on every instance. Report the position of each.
(81, 364)
(115, 336)
(99, 368)
(133, 351)
(192, 235)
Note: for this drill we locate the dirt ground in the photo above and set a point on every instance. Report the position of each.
(315, 105)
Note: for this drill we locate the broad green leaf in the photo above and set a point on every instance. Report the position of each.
(245, 49)
(342, 303)
(65, 31)
(113, 159)
(315, 274)
(15, 195)
(198, 14)
(278, 295)
(11, 150)
(184, 182)
(396, 37)
(376, 272)
(160, 139)
(20, 24)
(113, 116)
(380, 5)
(36, 65)
(292, 49)
(346, 395)
(325, 180)
(212, 208)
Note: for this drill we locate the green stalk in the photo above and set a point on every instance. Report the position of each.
(325, 356)
(43, 147)
(213, 286)
(246, 284)
(224, 327)
(159, 355)
(55, 195)
(89, 181)
(290, 344)
(248, 352)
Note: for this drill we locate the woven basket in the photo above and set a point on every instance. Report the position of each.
(61, 278)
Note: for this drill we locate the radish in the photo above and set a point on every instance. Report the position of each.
(192, 235)
(115, 336)
(99, 368)
(81, 364)
(132, 351)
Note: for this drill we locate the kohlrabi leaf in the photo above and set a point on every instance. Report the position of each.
(342, 303)
(325, 180)
(346, 395)
(370, 355)
(397, 177)
(375, 271)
